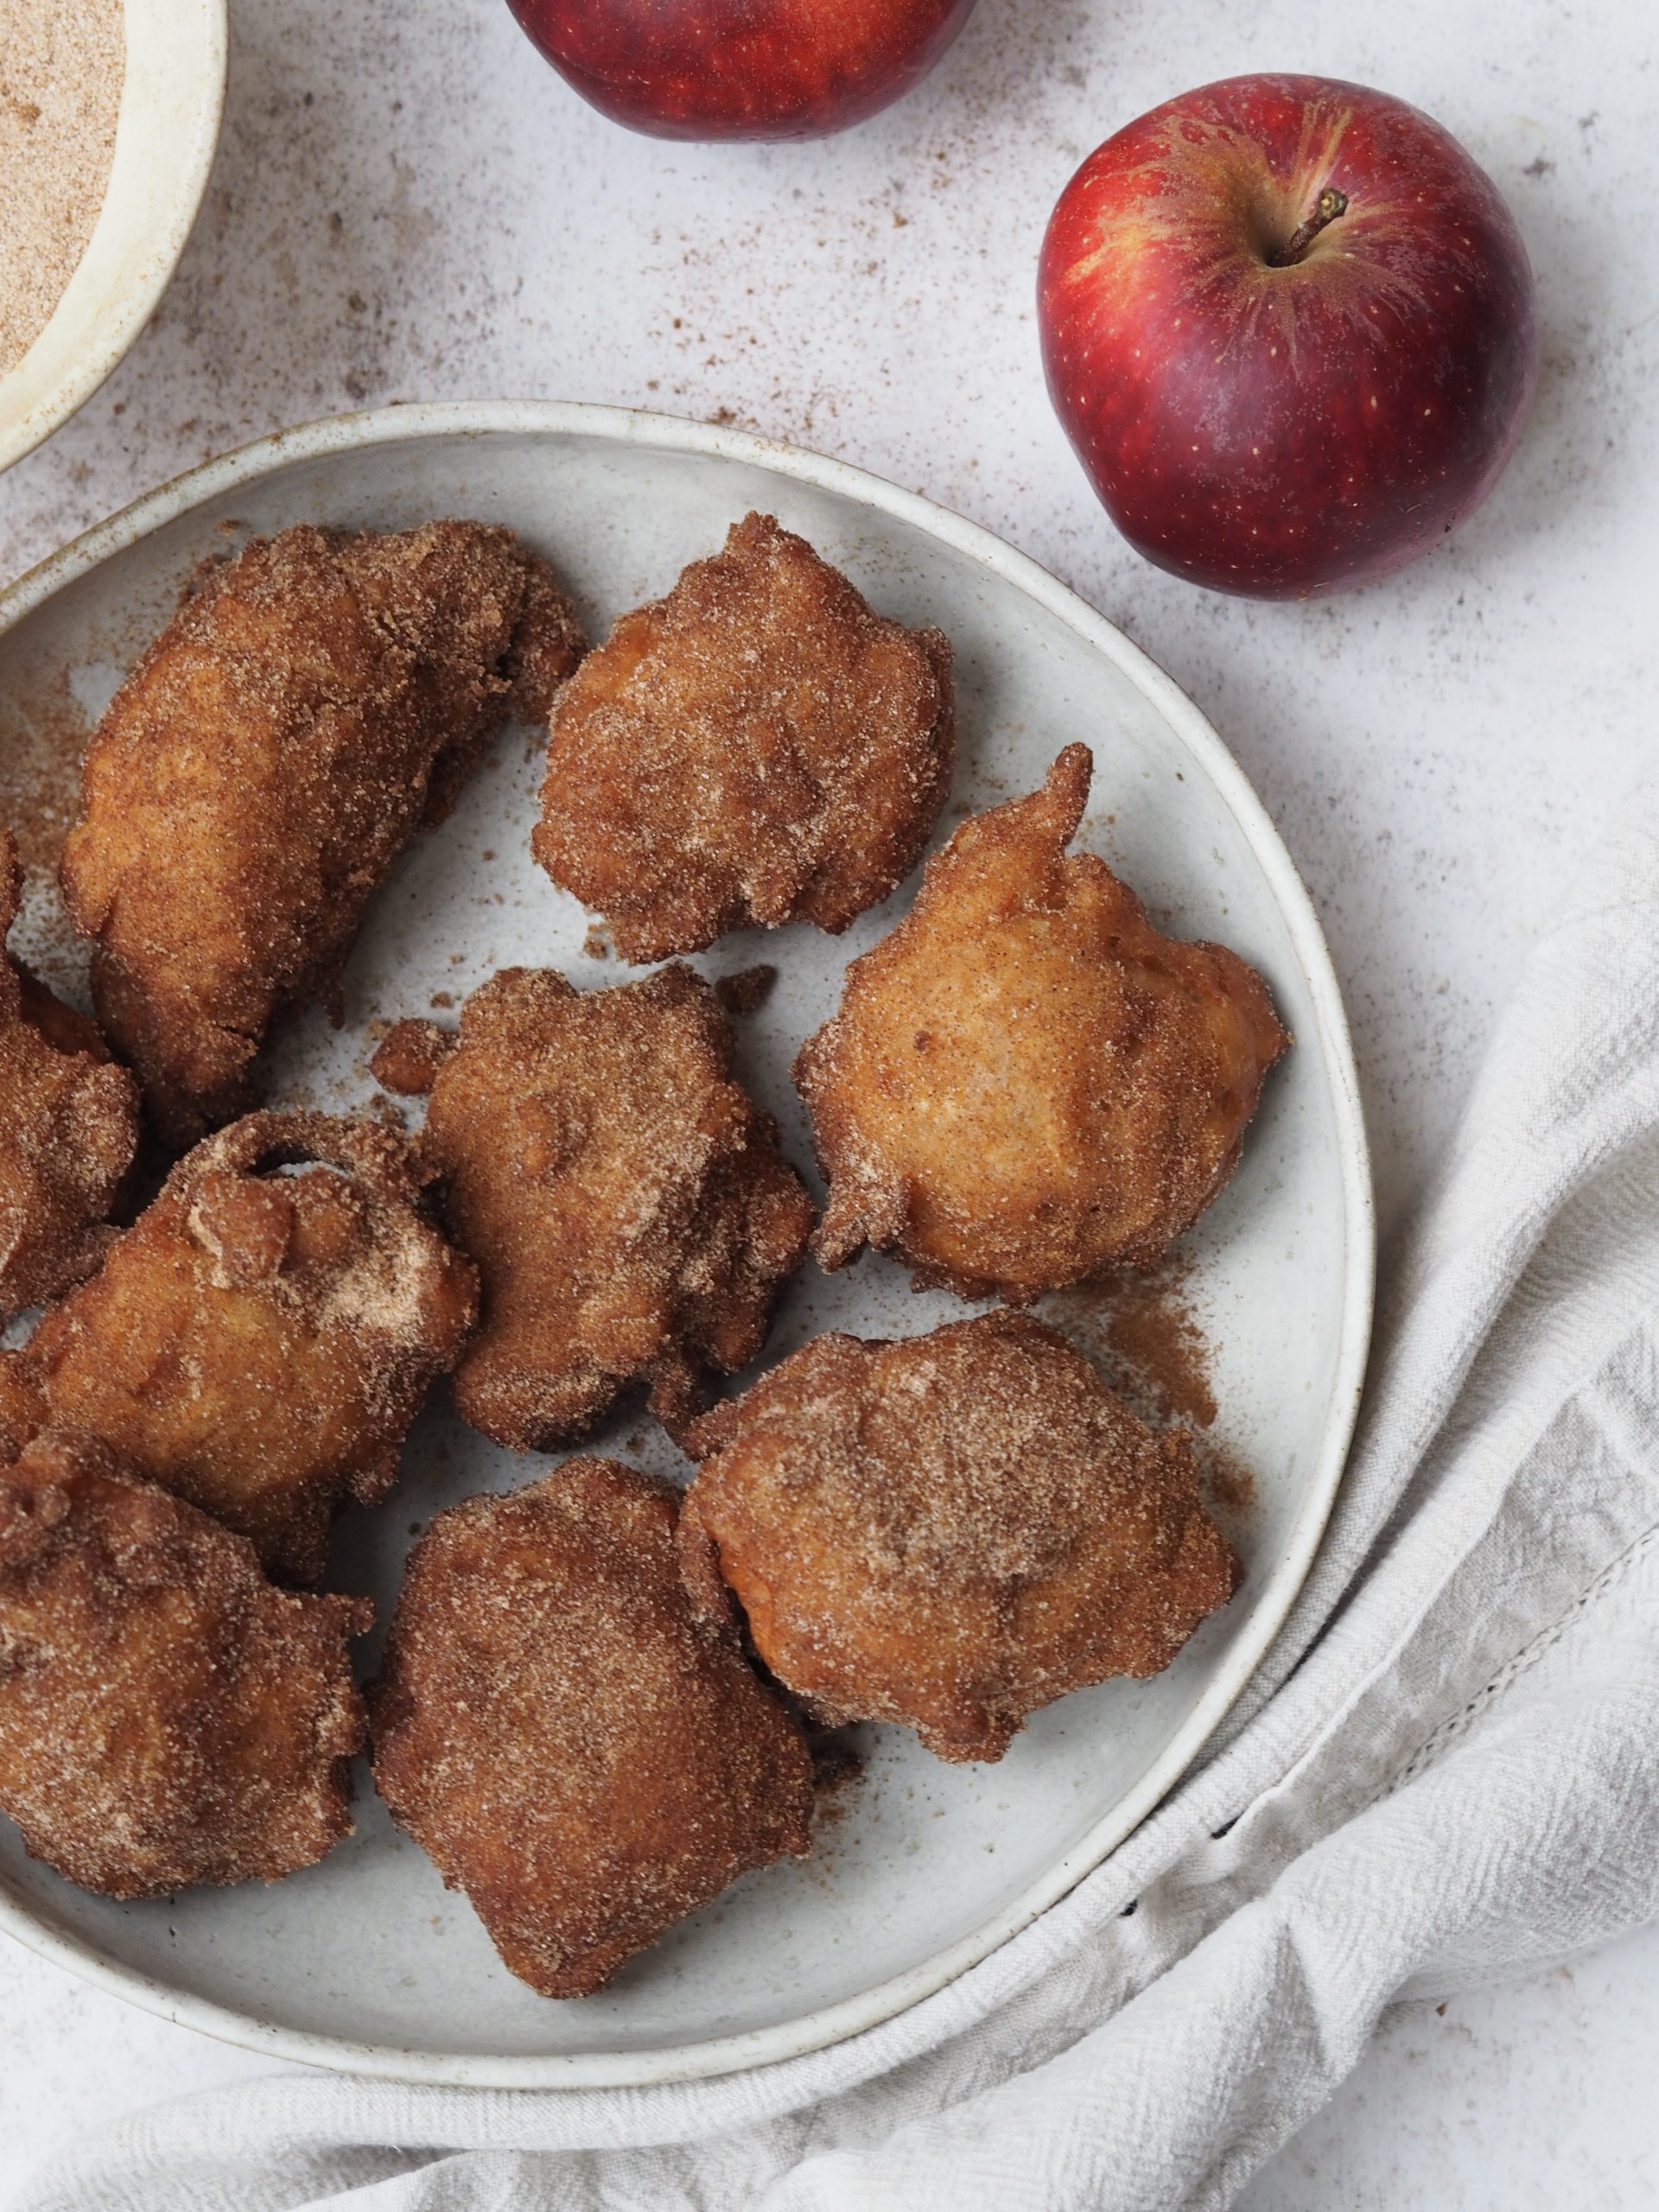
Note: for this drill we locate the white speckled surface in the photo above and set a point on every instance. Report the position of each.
(412, 207)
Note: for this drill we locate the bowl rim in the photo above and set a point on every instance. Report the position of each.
(167, 132)
(884, 2001)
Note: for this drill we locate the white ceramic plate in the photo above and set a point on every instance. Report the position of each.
(172, 100)
(366, 1962)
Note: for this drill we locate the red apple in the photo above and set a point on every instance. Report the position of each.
(1288, 326)
(742, 68)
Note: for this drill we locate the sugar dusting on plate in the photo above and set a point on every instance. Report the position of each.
(1142, 1331)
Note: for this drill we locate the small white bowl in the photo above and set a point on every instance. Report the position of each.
(171, 103)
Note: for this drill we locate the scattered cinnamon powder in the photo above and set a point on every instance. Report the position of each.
(1140, 1329)
(43, 733)
(1151, 1328)
(1228, 1481)
(62, 63)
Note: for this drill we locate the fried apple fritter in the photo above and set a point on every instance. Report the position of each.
(623, 1197)
(951, 1530)
(758, 747)
(577, 1747)
(68, 1127)
(167, 1716)
(255, 777)
(1026, 1082)
(260, 1342)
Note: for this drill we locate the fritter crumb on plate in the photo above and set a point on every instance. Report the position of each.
(68, 1127)
(624, 1199)
(746, 989)
(951, 1530)
(1026, 1081)
(758, 747)
(167, 1716)
(260, 1341)
(319, 698)
(574, 1744)
(408, 1056)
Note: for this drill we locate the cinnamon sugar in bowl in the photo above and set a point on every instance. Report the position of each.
(109, 115)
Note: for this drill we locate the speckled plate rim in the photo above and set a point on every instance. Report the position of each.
(167, 132)
(833, 2023)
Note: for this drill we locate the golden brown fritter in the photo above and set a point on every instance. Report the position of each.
(757, 747)
(623, 1197)
(952, 1530)
(167, 1717)
(1026, 1081)
(256, 774)
(68, 1127)
(260, 1342)
(576, 1745)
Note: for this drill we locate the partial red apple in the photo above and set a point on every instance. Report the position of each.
(1288, 326)
(743, 68)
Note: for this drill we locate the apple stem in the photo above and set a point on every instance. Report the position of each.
(1332, 203)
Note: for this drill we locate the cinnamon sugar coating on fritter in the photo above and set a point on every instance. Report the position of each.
(167, 1717)
(260, 1342)
(575, 1744)
(23, 1404)
(952, 1530)
(623, 1197)
(758, 747)
(68, 1127)
(1026, 1081)
(255, 777)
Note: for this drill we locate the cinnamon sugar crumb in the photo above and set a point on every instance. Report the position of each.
(747, 991)
(408, 1057)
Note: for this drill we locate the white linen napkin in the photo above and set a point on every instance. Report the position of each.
(1447, 1769)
